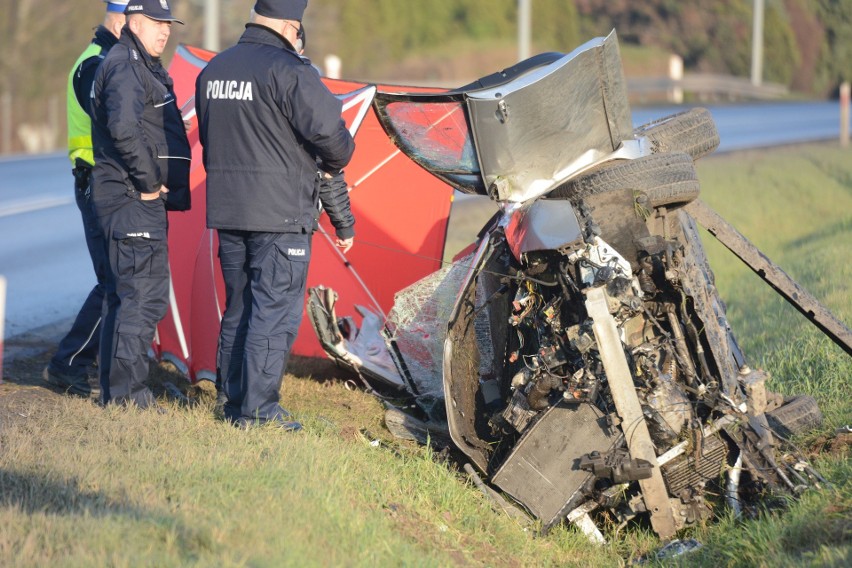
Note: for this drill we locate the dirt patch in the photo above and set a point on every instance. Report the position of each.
(23, 388)
(836, 446)
(26, 370)
(17, 402)
(350, 433)
(319, 369)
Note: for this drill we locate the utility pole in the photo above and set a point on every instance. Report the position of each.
(844, 113)
(524, 28)
(5, 123)
(757, 44)
(211, 25)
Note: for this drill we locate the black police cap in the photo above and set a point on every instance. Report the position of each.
(281, 9)
(155, 9)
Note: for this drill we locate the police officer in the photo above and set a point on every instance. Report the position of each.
(266, 123)
(142, 159)
(68, 368)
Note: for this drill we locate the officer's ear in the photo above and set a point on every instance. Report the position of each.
(132, 22)
(300, 40)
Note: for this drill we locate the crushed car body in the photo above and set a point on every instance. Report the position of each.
(579, 355)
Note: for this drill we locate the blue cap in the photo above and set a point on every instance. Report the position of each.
(117, 6)
(154, 9)
(281, 9)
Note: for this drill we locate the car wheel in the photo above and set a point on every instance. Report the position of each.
(693, 132)
(665, 180)
(799, 414)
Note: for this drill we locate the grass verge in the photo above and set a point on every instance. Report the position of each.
(84, 486)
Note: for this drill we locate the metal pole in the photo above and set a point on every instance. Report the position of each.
(6, 123)
(676, 75)
(333, 66)
(757, 44)
(844, 113)
(524, 28)
(211, 25)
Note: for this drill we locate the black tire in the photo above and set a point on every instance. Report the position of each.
(665, 180)
(693, 132)
(798, 415)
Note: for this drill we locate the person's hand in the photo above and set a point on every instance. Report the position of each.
(345, 244)
(187, 124)
(152, 196)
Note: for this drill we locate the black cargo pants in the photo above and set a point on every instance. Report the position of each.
(265, 276)
(79, 348)
(137, 297)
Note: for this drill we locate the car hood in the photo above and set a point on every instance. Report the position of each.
(516, 139)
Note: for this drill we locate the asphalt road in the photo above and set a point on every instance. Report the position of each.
(43, 254)
(42, 250)
(758, 125)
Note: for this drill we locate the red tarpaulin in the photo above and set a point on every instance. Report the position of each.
(401, 214)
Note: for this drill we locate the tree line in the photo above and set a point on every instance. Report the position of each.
(807, 43)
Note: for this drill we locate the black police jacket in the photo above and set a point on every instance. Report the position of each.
(265, 120)
(138, 133)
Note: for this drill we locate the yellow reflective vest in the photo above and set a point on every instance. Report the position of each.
(79, 123)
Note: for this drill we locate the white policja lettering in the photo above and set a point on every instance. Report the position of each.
(230, 90)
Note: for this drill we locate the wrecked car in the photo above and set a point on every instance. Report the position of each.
(578, 353)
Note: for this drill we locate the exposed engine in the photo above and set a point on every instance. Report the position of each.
(651, 401)
(580, 358)
(653, 418)
(556, 350)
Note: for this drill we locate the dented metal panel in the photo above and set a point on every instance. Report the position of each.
(544, 225)
(537, 130)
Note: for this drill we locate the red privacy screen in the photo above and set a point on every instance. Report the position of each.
(401, 214)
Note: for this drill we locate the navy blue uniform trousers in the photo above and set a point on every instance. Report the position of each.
(79, 348)
(137, 298)
(265, 276)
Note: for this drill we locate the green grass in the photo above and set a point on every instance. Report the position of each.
(795, 204)
(90, 487)
(84, 486)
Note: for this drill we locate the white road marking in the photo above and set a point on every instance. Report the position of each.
(35, 205)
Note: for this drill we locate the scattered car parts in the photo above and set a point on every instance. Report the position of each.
(580, 356)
